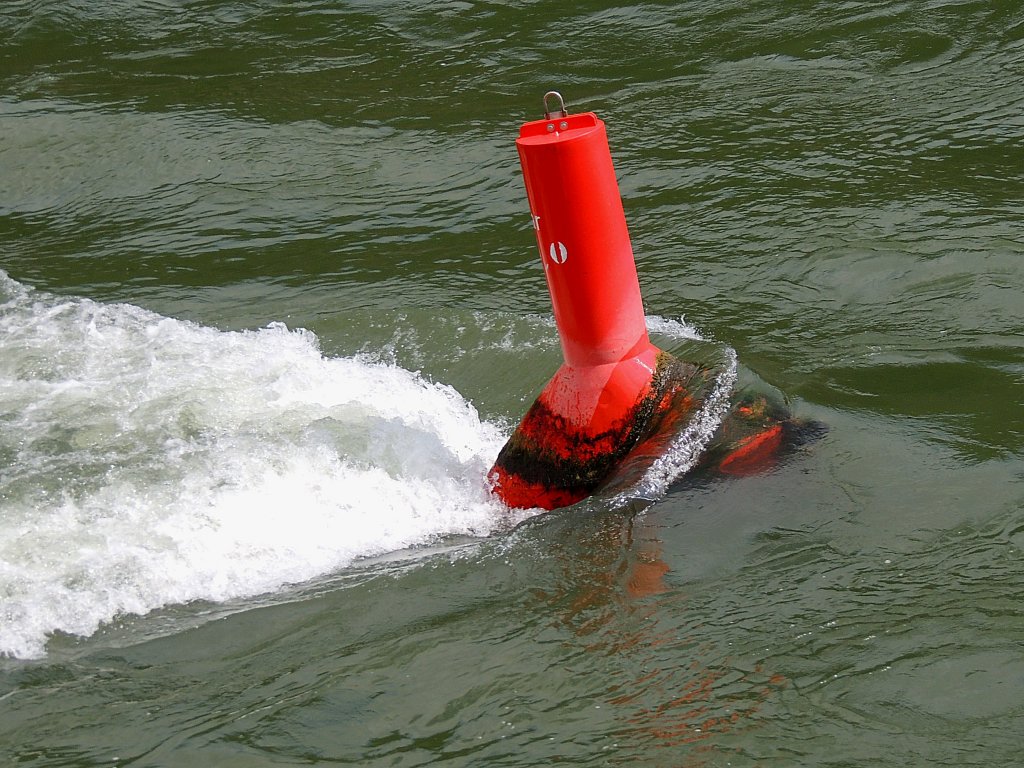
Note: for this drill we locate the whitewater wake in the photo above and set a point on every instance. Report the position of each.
(150, 462)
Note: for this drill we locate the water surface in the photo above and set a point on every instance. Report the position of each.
(271, 302)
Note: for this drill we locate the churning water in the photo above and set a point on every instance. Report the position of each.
(152, 461)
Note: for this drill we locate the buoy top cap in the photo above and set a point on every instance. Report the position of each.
(559, 128)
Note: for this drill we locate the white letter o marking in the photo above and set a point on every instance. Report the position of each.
(558, 253)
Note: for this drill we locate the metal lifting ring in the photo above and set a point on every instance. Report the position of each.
(550, 114)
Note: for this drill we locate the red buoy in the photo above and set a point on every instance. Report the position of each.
(616, 394)
(586, 417)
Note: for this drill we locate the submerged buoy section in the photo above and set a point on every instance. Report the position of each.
(616, 394)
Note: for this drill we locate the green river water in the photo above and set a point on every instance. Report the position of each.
(270, 302)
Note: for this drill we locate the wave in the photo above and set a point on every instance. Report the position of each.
(150, 461)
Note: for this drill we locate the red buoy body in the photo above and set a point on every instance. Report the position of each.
(583, 240)
(587, 416)
(616, 395)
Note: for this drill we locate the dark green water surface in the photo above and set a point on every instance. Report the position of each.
(833, 189)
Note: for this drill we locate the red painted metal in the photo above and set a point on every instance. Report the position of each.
(587, 416)
(582, 237)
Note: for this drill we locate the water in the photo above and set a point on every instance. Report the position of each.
(271, 303)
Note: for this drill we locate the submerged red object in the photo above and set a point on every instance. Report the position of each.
(615, 393)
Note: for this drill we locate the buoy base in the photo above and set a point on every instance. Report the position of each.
(554, 458)
(549, 462)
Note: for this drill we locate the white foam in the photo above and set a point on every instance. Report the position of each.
(686, 448)
(672, 328)
(152, 461)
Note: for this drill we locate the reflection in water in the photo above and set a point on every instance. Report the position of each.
(671, 684)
